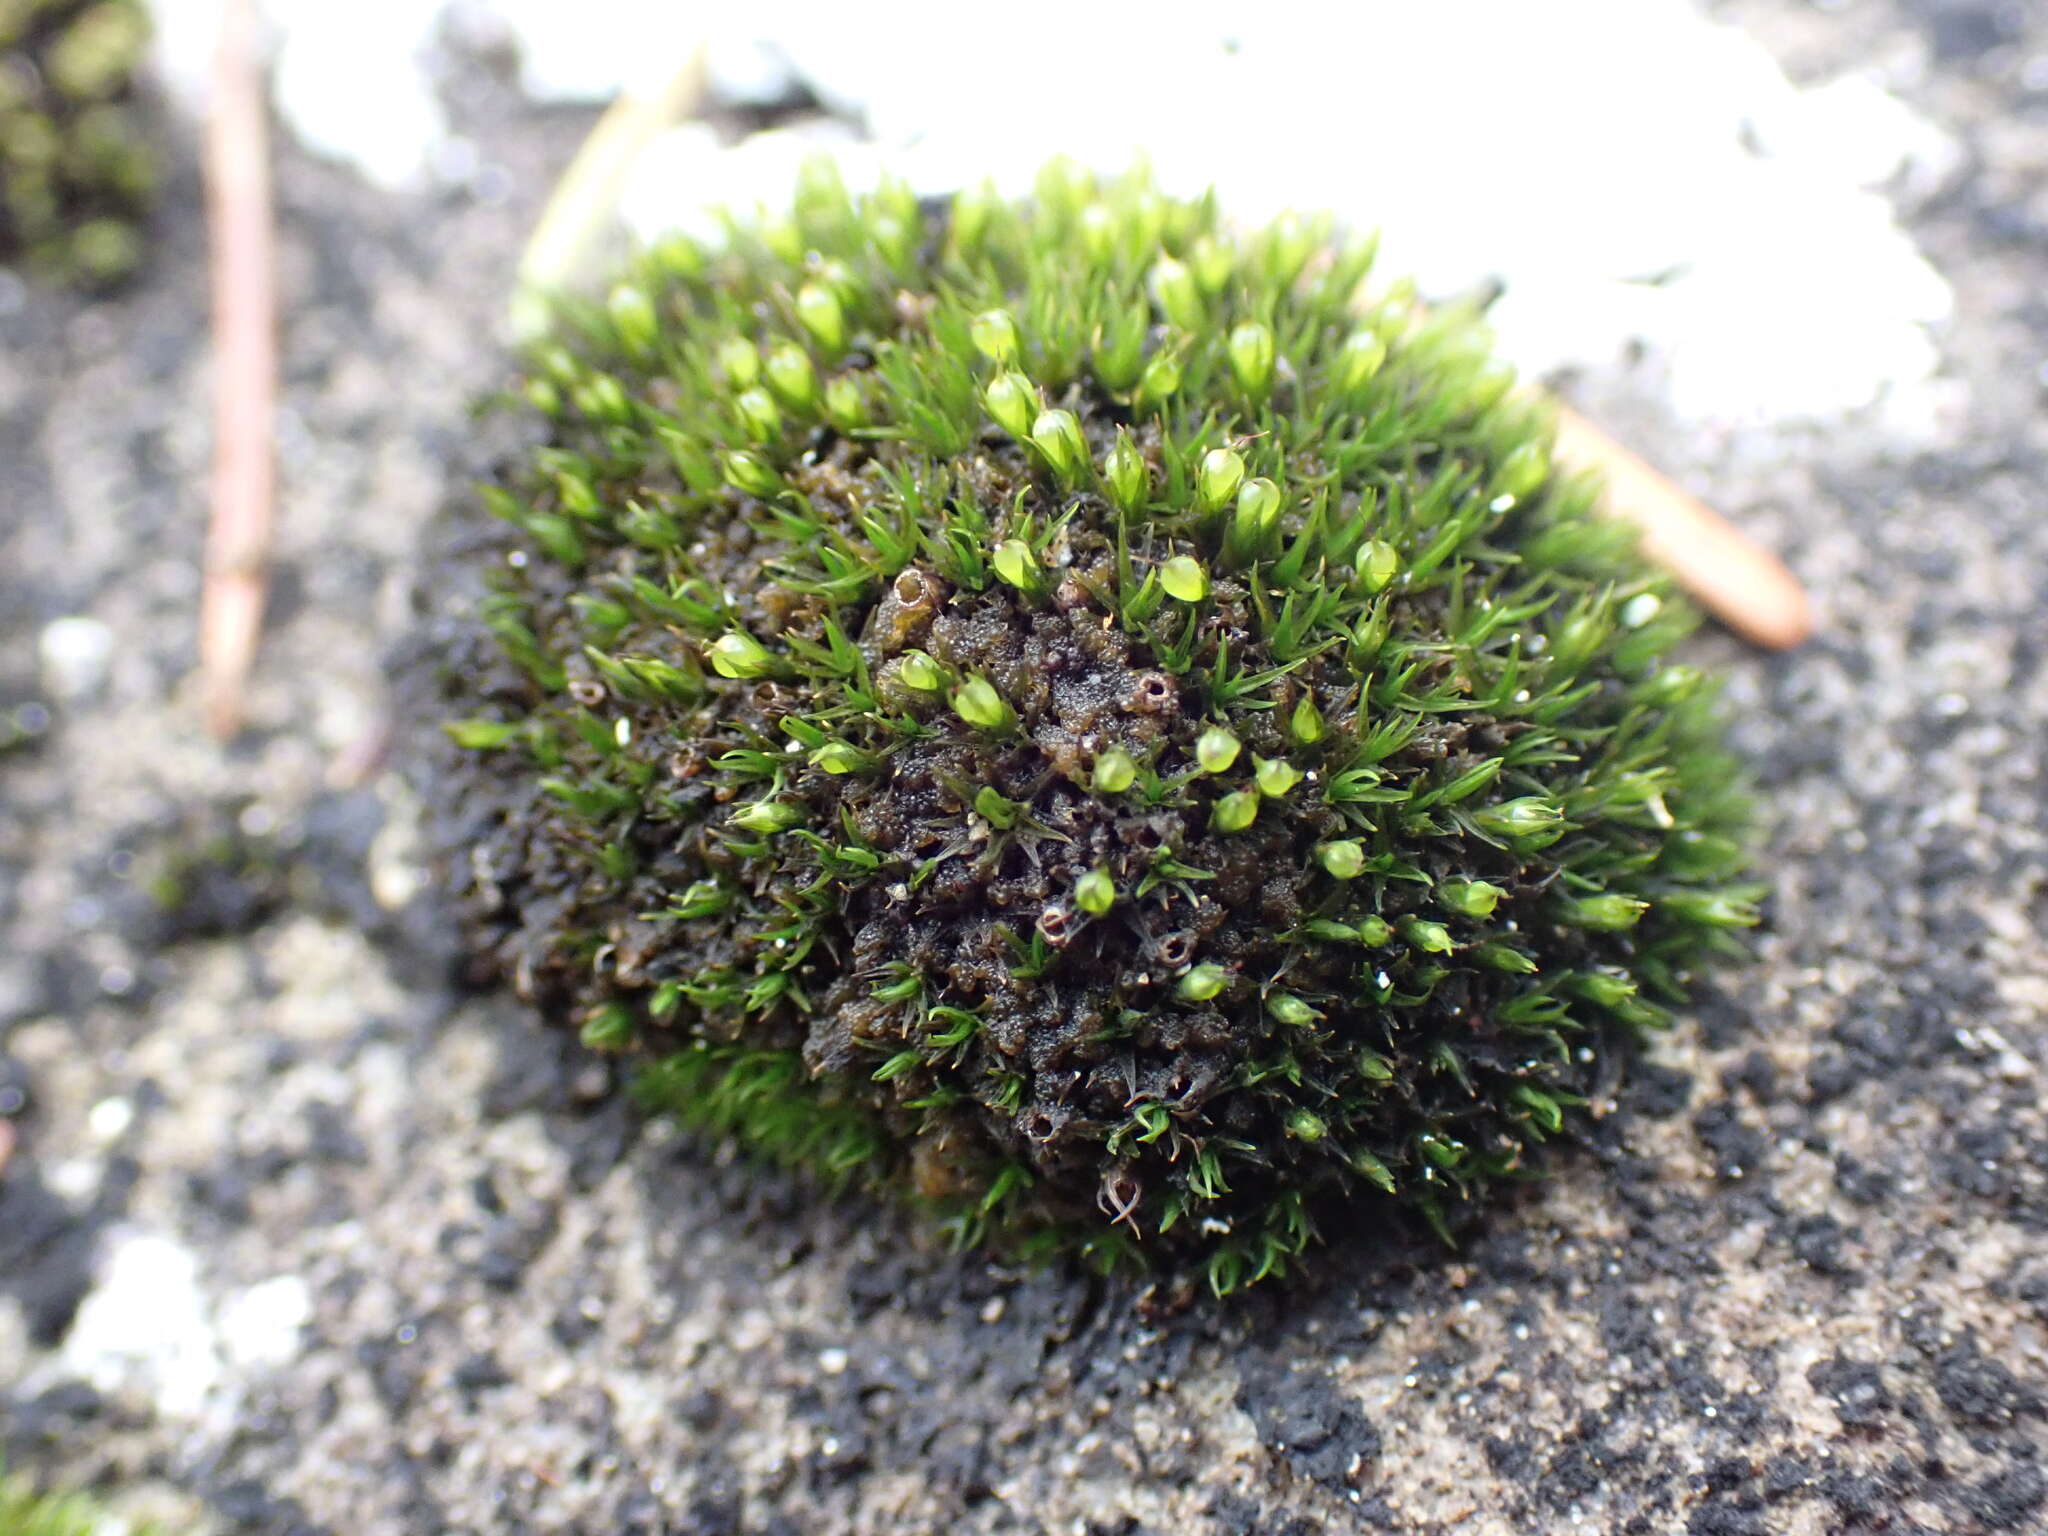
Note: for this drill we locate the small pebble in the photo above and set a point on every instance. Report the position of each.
(75, 653)
(109, 1118)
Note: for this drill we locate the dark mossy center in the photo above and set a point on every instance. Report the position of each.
(1074, 714)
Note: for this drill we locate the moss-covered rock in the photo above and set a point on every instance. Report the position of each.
(1063, 712)
(75, 166)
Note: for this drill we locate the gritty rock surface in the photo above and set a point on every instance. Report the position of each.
(1799, 1284)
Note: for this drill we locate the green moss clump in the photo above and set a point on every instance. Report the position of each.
(1057, 711)
(75, 166)
(24, 1512)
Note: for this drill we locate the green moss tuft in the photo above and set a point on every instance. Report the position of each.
(1058, 712)
(75, 166)
(25, 1512)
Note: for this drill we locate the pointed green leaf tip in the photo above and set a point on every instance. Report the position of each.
(951, 655)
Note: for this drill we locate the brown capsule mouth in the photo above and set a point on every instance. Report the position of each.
(1153, 693)
(1042, 1125)
(1119, 1195)
(1057, 924)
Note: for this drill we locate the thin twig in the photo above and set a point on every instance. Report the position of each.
(244, 288)
(1734, 578)
(586, 199)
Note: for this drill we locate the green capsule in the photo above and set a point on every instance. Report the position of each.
(769, 816)
(791, 375)
(845, 406)
(1606, 912)
(995, 808)
(1374, 932)
(1714, 909)
(994, 332)
(738, 654)
(1604, 988)
(1235, 811)
(1211, 263)
(1097, 226)
(1115, 771)
(739, 362)
(1523, 820)
(1057, 435)
(1306, 1125)
(544, 397)
(1275, 776)
(693, 463)
(818, 311)
(1343, 860)
(977, 702)
(633, 318)
(760, 417)
(1256, 520)
(1174, 290)
(1095, 892)
(1670, 685)
(1202, 982)
(1012, 403)
(1252, 355)
(1291, 1011)
(1640, 609)
(1470, 898)
(750, 473)
(1126, 476)
(1161, 380)
(1216, 749)
(917, 671)
(1219, 478)
(1580, 637)
(1504, 958)
(1358, 360)
(1305, 724)
(1378, 564)
(603, 398)
(838, 757)
(1431, 938)
(1184, 579)
(1522, 473)
(1015, 565)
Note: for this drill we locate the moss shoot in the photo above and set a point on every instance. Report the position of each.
(1063, 712)
(75, 166)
